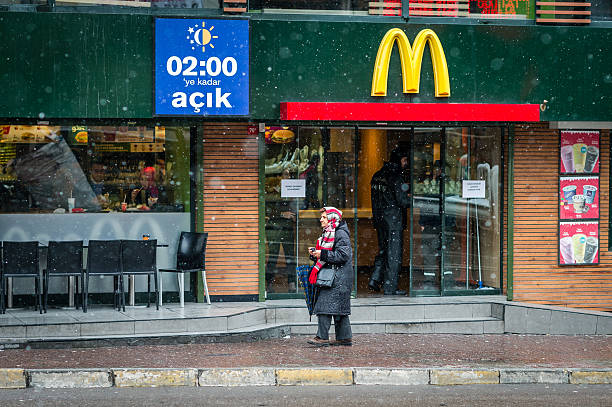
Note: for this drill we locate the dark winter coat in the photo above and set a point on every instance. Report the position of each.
(390, 197)
(336, 300)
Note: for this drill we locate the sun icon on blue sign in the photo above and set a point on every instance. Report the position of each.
(201, 36)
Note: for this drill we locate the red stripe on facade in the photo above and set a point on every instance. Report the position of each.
(404, 112)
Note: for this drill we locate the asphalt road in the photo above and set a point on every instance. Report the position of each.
(309, 396)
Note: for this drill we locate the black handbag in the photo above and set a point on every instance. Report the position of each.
(325, 277)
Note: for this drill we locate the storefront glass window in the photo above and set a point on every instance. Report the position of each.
(11, 2)
(306, 168)
(427, 210)
(500, 9)
(449, 243)
(53, 169)
(311, 6)
(209, 4)
(601, 9)
(471, 255)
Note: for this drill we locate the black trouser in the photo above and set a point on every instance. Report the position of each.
(388, 261)
(342, 325)
(276, 238)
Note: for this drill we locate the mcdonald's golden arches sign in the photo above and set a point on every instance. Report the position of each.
(411, 59)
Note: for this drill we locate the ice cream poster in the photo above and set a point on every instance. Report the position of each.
(578, 198)
(578, 243)
(579, 152)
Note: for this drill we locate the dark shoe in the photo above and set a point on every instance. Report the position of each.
(318, 341)
(396, 292)
(342, 342)
(374, 285)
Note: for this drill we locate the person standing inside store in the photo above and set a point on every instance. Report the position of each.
(96, 180)
(146, 194)
(333, 249)
(311, 176)
(280, 230)
(390, 199)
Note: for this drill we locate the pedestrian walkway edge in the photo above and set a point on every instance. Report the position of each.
(269, 376)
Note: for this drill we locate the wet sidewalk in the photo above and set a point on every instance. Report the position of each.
(369, 350)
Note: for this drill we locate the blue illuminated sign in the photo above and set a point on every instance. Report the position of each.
(201, 67)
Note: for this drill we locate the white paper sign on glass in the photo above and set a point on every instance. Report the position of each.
(473, 189)
(293, 188)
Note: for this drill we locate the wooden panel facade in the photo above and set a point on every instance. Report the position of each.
(231, 209)
(537, 276)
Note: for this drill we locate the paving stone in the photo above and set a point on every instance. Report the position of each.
(290, 315)
(246, 319)
(492, 327)
(481, 310)
(13, 332)
(497, 310)
(463, 327)
(270, 315)
(369, 328)
(440, 311)
(411, 328)
(604, 325)
(400, 312)
(572, 323)
(363, 313)
(212, 324)
(107, 328)
(525, 320)
(156, 326)
(53, 331)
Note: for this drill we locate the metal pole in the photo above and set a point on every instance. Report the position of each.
(9, 289)
(467, 258)
(132, 290)
(478, 246)
(297, 239)
(467, 254)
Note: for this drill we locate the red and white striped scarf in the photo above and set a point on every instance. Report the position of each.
(326, 241)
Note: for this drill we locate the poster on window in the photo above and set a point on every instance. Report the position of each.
(578, 198)
(579, 152)
(578, 243)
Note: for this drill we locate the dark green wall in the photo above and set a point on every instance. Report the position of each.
(61, 65)
(326, 61)
(75, 65)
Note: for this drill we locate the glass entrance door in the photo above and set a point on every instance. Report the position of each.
(426, 225)
(471, 255)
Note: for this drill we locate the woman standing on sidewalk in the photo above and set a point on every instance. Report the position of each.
(333, 250)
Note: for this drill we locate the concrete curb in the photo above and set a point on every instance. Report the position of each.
(269, 376)
(446, 377)
(70, 379)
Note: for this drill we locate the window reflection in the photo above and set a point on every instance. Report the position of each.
(90, 169)
(312, 5)
(320, 163)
